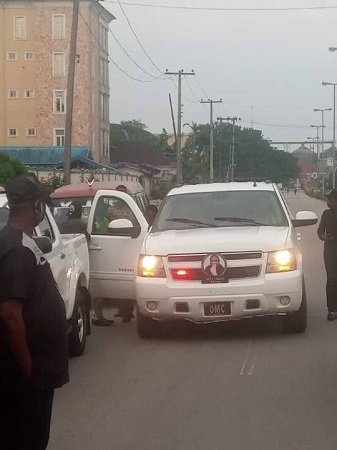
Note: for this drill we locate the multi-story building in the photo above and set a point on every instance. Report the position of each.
(34, 54)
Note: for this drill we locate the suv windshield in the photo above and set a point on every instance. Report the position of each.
(221, 209)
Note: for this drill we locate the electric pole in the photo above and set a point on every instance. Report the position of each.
(231, 164)
(211, 138)
(70, 94)
(180, 73)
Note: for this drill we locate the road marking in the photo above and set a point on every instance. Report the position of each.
(249, 362)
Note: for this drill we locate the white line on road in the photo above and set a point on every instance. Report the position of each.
(250, 359)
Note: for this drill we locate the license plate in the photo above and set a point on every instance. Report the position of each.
(217, 309)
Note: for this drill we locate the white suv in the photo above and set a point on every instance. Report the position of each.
(218, 252)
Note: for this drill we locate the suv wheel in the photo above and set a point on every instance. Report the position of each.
(146, 327)
(296, 322)
(79, 327)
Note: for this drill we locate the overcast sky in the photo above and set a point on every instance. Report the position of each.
(266, 66)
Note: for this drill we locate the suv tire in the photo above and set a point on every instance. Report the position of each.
(296, 322)
(147, 328)
(79, 327)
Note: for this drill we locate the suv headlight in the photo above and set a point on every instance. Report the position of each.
(151, 266)
(281, 261)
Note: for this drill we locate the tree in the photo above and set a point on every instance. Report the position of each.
(10, 168)
(134, 124)
(254, 157)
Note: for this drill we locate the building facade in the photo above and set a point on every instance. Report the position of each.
(34, 54)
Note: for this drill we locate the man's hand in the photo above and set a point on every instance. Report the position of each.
(11, 314)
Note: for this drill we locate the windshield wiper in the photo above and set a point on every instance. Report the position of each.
(239, 220)
(189, 221)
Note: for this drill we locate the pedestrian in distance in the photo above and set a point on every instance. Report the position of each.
(151, 214)
(327, 232)
(33, 326)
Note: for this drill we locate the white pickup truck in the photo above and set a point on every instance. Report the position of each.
(69, 260)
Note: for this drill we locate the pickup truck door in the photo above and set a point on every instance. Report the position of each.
(57, 257)
(113, 258)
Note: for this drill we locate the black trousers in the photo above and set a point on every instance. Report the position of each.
(330, 260)
(25, 418)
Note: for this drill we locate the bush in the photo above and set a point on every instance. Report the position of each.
(316, 194)
(10, 168)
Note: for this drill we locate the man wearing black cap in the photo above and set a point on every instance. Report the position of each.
(327, 232)
(33, 327)
(74, 222)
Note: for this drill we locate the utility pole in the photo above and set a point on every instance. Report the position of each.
(70, 94)
(231, 165)
(180, 73)
(211, 138)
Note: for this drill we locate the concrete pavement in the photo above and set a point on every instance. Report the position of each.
(243, 386)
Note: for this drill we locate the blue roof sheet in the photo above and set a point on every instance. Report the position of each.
(45, 156)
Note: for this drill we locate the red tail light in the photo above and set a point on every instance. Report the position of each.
(186, 274)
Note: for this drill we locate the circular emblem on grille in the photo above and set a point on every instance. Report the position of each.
(214, 265)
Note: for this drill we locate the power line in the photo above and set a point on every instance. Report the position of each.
(205, 8)
(191, 90)
(110, 59)
(137, 38)
(132, 59)
(202, 89)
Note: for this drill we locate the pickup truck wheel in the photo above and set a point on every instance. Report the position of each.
(79, 330)
(296, 322)
(147, 328)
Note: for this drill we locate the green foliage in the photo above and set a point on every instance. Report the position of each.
(53, 180)
(138, 124)
(10, 168)
(254, 157)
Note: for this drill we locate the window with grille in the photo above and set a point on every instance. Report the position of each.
(59, 102)
(59, 65)
(12, 132)
(31, 131)
(58, 138)
(29, 93)
(20, 31)
(13, 93)
(12, 56)
(58, 26)
(29, 56)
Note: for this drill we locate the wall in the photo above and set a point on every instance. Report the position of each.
(81, 176)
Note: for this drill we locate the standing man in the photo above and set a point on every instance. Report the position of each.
(327, 232)
(33, 327)
(74, 223)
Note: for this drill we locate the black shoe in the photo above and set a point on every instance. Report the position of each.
(102, 322)
(331, 316)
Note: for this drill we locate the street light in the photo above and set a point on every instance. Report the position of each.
(325, 83)
(332, 49)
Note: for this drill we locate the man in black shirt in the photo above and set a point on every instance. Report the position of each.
(327, 232)
(33, 327)
(74, 223)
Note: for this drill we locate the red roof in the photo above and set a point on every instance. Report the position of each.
(85, 190)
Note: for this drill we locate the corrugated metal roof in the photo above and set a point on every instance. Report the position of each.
(44, 156)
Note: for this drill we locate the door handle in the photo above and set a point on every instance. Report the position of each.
(95, 247)
(63, 255)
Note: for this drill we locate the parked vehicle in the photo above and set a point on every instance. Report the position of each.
(219, 252)
(117, 228)
(69, 260)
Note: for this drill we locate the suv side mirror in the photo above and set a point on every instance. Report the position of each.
(304, 219)
(123, 227)
(44, 244)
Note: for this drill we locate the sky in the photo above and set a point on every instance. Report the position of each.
(266, 66)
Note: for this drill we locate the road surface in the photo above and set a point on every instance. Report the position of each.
(244, 387)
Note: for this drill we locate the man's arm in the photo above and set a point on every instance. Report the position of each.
(11, 314)
(321, 231)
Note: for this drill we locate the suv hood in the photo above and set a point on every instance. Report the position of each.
(214, 240)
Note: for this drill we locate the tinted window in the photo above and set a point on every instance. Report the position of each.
(221, 209)
(4, 213)
(109, 209)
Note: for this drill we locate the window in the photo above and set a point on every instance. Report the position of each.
(12, 132)
(104, 72)
(104, 108)
(59, 65)
(103, 37)
(20, 28)
(13, 93)
(58, 138)
(29, 56)
(12, 56)
(59, 102)
(29, 93)
(58, 26)
(31, 132)
(109, 209)
(46, 229)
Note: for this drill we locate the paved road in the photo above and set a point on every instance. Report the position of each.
(246, 387)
